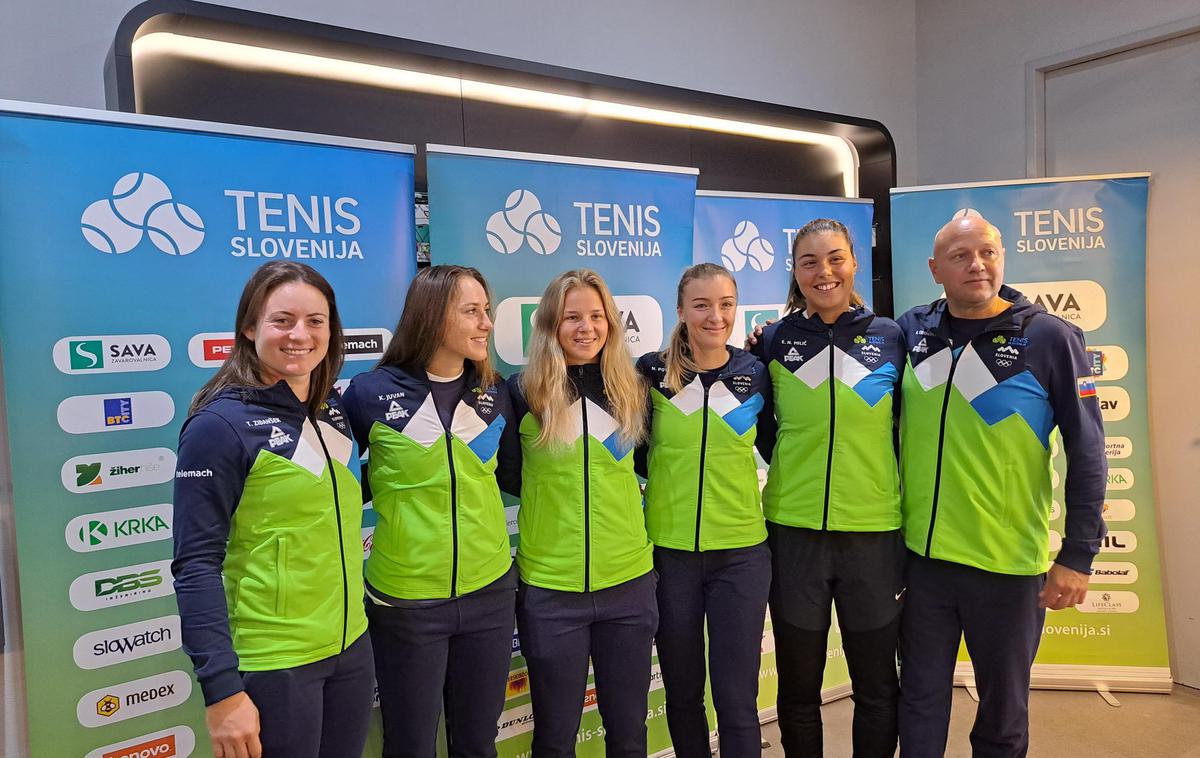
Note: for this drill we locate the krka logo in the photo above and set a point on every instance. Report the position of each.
(747, 246)
(141, 203)
(523, 221)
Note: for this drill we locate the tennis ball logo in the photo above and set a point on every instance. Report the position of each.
(521, 221)
(966, 213)
(141, 204)
(747, 246)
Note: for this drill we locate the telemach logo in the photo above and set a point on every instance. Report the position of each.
(129, 526)
(131, 699)
(176, 742)
(118, 470)
(129, 642)
(365, 344)
(127, 584)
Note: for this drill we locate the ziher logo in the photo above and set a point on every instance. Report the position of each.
(119, 470)
(328, 224)
(747, 246)
(1082, 302)
(1114, 402)
(129, 526)
(210, 349)
(1113, 573)
(119, 586)
(176, 742)
(1118, 510)
(127, 700)
(141, 203)
(1109, 362)
(118, 644)
(111, 354)
(639, 315)
(1118, 447)
(1120, 478)
(522, 221)
(1118, 542)
(1058, 230)
(84, 414)
(1109, 601)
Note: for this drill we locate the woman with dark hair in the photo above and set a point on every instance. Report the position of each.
(434, 419)
(268, 554)
(832, 498)
(704, 515)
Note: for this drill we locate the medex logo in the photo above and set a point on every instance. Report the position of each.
(119, 586)
(141, 639)
(141, 203)
(176, 742)
(1083, 302)
(118, 470)
(747, 246)
(522, 221)
(111, 354)
(129, 526)
(128, 700)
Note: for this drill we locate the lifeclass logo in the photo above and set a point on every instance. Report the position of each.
(118, 470)
(120, 702)
(121, 585)
(1082, 302)
(523, 222)
(129, 642)
(639, 315)
(210, 349)
(128, 526)
(1119, 510)
(1110, 601)
(1118, 447)
(176, 742)
(84, 414)
(111, 354)
(1118, 542)
(1113, 573)
(1114, 402)
(747, 247)
(141, 203)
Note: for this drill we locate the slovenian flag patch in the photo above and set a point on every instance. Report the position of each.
(1087, 386)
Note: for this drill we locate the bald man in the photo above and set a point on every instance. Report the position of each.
(989, 377)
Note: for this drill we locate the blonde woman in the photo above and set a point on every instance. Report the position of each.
(587, 584)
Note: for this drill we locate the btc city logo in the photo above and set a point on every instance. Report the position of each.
(747, 246)
(141, 203)
(521, 221)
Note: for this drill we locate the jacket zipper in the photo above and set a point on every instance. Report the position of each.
(453, 516)
(337, 511)
(587, 505)
(703, 448)
(832, 429)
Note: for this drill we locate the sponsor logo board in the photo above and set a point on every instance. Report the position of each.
(111, 354)
(118, 470)
(121, 702)
(84, 414)
(128, 642)
(127, 526)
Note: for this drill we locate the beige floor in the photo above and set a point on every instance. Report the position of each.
(1069, 724)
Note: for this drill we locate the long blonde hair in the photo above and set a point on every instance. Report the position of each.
(545, 382)
(678, 355)
(795, 298)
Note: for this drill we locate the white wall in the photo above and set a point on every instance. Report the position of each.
(854, 58)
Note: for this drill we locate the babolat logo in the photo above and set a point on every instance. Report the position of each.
(128, 700)
(176, 742)
(141, 203)
(111, 354)
(129, 526)
(111, 471)
(395, 412)
(522, 221)
(129, 642)
(365, 344)
(127, 584)
(747, 247)
(279, 437)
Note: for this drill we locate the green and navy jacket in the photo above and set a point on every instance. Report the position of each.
(975, 440)
(702, 480)
(581, 521)
(267, 529)
(834, 463)
(441, 531)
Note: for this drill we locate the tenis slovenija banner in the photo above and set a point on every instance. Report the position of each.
(1077, 246)
(125, 241)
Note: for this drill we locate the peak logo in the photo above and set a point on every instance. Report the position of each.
(122, 585)
(176, 742)
(747, 246)
(84, 414)
(114, 471)
(129, 642)
(210, 349)
(639, 314)
(128, 700)
(522, 221)
(1081, 302)
(141, 203)
(128, 526)
(111, 354)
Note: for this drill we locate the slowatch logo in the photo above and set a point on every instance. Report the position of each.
(141, 204)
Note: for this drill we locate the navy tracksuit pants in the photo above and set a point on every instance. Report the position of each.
(318, 710)
(730, 588)
(559, 631)
(999, 616)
